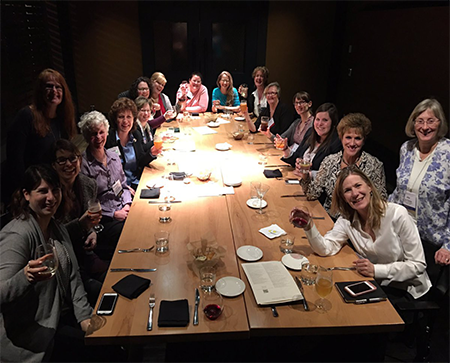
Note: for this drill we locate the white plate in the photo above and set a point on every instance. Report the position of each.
(249, 253)
(239, 118)
(294, 261)
(213, 124)
(230, 286)
(223, 146)
(232, 181)
(254, 203)
(156, 183)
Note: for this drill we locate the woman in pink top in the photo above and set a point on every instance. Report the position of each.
(192, 96)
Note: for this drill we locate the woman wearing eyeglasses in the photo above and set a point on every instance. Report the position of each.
(50, 117)
(279, 115)
(161, 102)
(225, 96)
(140, 87)
(296, 132)
(423, 180)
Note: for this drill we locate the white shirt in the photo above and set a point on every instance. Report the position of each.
(397, 252)
(259, 103)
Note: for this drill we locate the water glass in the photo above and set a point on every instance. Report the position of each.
(164, 213)
(207, 278)
(309, 273)
(287, 243)
(250, 139)
(162, 241)
(47, 252)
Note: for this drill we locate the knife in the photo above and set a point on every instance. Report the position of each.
(278, 166)
(197, 300)
(133, 269)
(293, 195)
(164, 202)
(300, 286)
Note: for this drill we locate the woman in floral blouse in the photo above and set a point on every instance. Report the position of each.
(423, 180)
(352, 130)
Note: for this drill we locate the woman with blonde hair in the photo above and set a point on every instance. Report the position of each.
(384, 236)
(225, 96)
(161, 102)
(257, 99)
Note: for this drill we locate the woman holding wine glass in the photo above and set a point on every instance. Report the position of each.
(320, 140)
(35, 302)
(257, 100)
(78, 191)
(384, 236)
(192, 96)
(105, 167)
(158, 82)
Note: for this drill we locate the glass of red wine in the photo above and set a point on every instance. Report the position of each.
(212, 304)
(300, 217)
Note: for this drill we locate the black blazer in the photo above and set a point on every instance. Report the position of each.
(282, 117)
(334, 147)
(149, 135)
(143, 158)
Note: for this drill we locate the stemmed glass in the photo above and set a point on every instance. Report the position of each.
(47, 251)
(261, 190)
(324, 285)
(94, 210)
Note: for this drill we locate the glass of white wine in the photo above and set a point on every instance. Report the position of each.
(324, 285)
(94, 209)
(47, 252)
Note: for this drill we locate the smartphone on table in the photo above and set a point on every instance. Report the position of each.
(360, 288)
(107, 303)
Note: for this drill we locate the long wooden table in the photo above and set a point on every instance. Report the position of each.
(231, 223)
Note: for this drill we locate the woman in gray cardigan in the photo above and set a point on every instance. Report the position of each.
(33, 301)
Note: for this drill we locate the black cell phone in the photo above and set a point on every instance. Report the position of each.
(195, 114)
(107, 303)
(176, 129)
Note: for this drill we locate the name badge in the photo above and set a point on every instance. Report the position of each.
(115, 149)
(410, 201)
(117, 188)
(294, 147)
(271, 122)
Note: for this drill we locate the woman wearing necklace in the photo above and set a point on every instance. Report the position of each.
(423, 181)
(225, 96)
(257, 100)
(353, 130)
(161, 102)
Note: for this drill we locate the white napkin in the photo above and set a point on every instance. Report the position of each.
(272, 231)
(221, 121)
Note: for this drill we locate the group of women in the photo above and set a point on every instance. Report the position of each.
(53, 200)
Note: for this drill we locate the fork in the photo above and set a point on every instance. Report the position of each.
(151, 303)
(137, 250)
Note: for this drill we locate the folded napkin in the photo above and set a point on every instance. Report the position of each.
(272, 231)
(173, 313)
(178, 175)
(131, 286)
(221, 121)
(150, 193)
(272, 173)
(204, 130)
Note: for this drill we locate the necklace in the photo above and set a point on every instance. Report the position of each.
(356, 161)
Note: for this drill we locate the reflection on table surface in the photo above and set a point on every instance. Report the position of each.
(211, 212)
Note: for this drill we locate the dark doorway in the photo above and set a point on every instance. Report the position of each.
(181, 37)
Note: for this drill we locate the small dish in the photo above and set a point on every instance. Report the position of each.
(254, 203)
(232, 181)
(223, 146)
(230, 286)
(294, 261)
(213, 124)
(239, 118)
(249, 253)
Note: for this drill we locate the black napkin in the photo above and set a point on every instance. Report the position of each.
(150, 193)
(273, 173)
(173, 313)
(131, 286)
(178, 175)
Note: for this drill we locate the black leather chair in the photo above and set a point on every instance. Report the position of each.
(124, 94)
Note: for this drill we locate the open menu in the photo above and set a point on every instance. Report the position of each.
(271, 283)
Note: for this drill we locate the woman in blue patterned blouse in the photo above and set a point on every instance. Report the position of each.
(423, 179)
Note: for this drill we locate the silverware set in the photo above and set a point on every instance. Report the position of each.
(132, 269)
(137, 250)
(300, 286)
(151, 304)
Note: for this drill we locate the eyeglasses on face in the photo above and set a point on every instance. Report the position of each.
(299, 103)
(271, 93)
(429, 122)
(50, 86)
(72, 159)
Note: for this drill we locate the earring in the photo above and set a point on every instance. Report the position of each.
(371, 193)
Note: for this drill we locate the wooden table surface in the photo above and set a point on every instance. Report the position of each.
(229, 222)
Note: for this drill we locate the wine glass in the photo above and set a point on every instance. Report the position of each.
(47, 251)
(94, 211)
(212, 304)
(261, 190)
(324, 285)
(300, 217)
